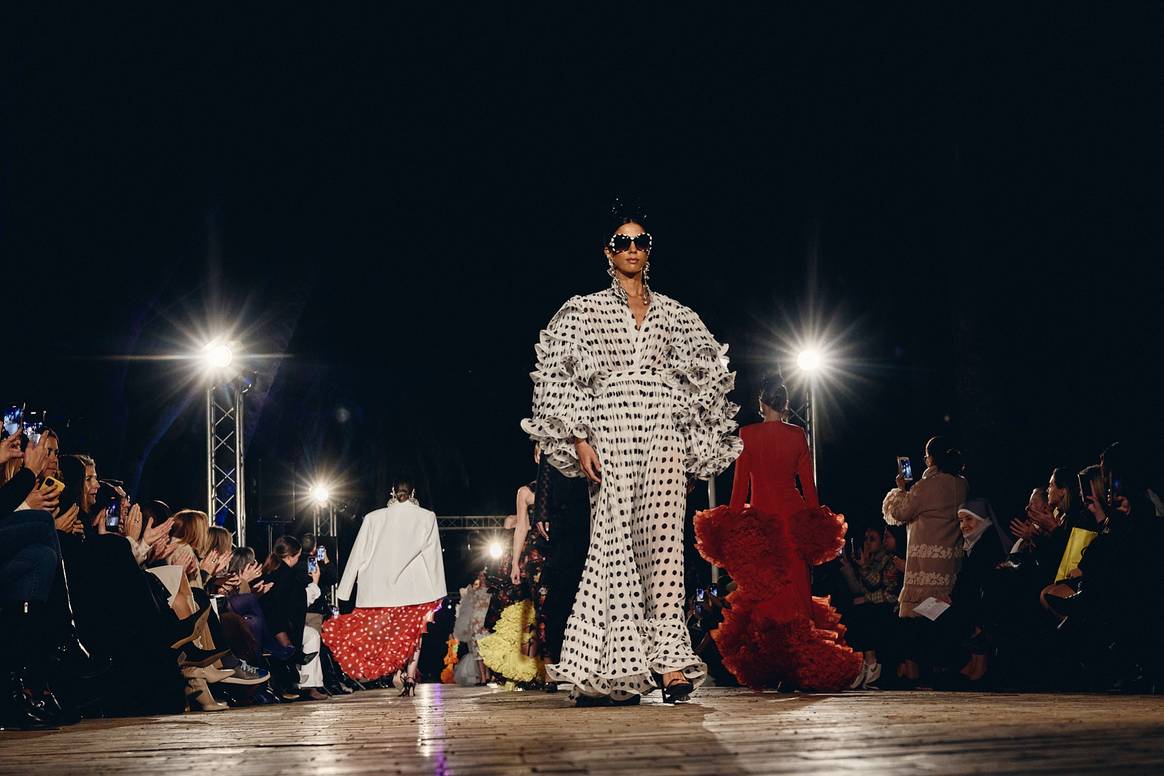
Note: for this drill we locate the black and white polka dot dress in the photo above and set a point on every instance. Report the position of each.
(653, 404)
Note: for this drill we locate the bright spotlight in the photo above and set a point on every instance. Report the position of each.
(495, 550)
(809, 361)
(320, 494)
(217, 356)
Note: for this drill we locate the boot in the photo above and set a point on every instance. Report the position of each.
(21, 707)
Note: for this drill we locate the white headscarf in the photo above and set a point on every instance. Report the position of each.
(983, 514)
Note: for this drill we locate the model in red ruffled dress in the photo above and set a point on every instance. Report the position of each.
(776, 632)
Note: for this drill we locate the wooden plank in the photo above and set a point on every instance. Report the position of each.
(481, 731)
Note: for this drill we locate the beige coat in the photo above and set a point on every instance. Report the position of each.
(933, 552)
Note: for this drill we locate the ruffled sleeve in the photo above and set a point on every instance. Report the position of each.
(561, 408)
(698, 372)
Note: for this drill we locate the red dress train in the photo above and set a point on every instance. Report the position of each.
(776, 631)
(376, 641)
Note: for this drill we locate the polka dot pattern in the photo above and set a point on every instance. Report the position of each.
(652, 402)
(375, 641)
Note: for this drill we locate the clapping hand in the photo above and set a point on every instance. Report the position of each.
(10, 448)
(1041, 516)
(156, 533)
(1023, 529)
(251, 572)
(210, 562)
(68, 522)
(132, 523)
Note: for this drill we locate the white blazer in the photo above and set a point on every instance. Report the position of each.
(397, 557)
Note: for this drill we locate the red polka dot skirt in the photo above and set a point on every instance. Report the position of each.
(373, 642)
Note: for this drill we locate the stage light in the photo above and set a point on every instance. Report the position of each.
(320, 494)
(217, 356)
(495, 550)
(809, 361)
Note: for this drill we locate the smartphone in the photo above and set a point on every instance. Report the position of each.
(51, 486)
(905, 468)
(714, 590)
(312, 565)
(699, 594)
(13, 420)
(33, 423)
(319, 552)
(112, 516)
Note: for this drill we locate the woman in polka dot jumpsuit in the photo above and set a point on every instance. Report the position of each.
(630, 390)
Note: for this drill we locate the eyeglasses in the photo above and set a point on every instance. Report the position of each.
(622, 242)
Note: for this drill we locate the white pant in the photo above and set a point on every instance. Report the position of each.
(311, 675)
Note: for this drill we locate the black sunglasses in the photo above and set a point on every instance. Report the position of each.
(622, 242)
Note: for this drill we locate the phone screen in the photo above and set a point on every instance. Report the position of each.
(312, 566)
(112, 515)
(714, 590)
(319, 552)
(699, 594)
(905, 467)
(12, 420)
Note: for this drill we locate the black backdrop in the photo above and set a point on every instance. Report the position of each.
(966, 202)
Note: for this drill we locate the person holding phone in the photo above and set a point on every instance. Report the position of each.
(933, 550)
(29, 557)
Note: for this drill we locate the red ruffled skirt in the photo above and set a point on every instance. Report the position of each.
(374, 642)
(776, 631)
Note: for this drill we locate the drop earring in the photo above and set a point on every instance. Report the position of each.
(610, 267)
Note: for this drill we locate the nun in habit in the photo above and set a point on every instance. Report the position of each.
(397, 561)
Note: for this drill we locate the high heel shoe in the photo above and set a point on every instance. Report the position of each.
(675, 691)
(198, 694)
(186, 630)
(409, 687)
(193, 657)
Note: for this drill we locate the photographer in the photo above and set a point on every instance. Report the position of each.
(934, 539)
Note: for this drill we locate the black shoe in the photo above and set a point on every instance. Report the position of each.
(589, 701)
(631, 701)
(409, 687)
(193, 657)
(19, 712)
(676, 691)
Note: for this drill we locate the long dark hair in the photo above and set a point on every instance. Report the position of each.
(285, 547)
(946, 457)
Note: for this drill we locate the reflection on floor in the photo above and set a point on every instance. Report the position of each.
(447, 729)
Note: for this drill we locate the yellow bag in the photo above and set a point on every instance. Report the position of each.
(1076, 543)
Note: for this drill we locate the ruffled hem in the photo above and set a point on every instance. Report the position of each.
(373, 642)
(503, 650)
(653, 646)
(808, 653)
(818, 533)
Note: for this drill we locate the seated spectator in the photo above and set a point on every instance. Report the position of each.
(873, 580)
(962, 629)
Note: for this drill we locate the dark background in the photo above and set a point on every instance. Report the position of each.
(963, 204)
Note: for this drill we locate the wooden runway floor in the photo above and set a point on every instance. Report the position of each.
(448, 729)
